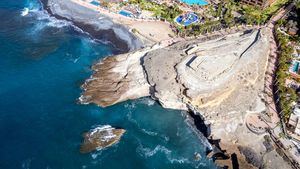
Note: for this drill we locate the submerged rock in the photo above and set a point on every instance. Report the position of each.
(100, 137)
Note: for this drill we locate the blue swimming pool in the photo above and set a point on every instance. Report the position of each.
(195, 2)
(187, 19)
(295, 66)
(96, 3)
(126, 13)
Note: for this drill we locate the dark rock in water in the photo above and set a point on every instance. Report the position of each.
(100, 137)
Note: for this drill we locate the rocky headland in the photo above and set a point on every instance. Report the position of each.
(220, 78)
(187, 73)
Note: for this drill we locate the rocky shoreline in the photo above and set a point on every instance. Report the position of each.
(219, 80)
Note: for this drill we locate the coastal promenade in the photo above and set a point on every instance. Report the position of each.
(272, 118)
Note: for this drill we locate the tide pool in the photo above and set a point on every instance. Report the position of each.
(43, 63)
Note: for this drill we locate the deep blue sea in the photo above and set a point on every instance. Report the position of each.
(43, 63)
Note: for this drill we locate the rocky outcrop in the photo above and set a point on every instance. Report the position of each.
(202, 74)
(222, 78)
(100, 137)
(117, 79)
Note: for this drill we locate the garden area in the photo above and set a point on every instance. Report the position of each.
(229, 13)
(255, 15)
(287, 96)
(209, 18)
(160, 11)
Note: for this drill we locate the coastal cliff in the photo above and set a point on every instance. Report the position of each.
(223, 78)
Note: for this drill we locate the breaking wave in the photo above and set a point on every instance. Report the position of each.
(41, 18)
(104, 128)
(48, 21)
(24, 12)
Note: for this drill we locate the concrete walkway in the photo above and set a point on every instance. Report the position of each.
(286, 145)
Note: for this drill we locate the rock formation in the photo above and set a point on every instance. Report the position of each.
(100, 137)
(223, 78)
(201, 74)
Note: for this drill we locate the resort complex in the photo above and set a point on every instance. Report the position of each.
(191, 83)
(216, 50)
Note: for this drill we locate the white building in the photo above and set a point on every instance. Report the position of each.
(294, 120)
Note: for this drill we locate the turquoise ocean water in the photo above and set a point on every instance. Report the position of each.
(43, 62)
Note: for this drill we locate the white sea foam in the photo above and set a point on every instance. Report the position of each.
(31, 7)
(96, 154)
(35, 11)
(100, 128)
(130, 106)
(129, 117)
(50, 20)
(105, 128)
(82, 99)
(147, 152)
(148, 101)
(53, 22)
(151, 133)
(25, 12)
(178, 160)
